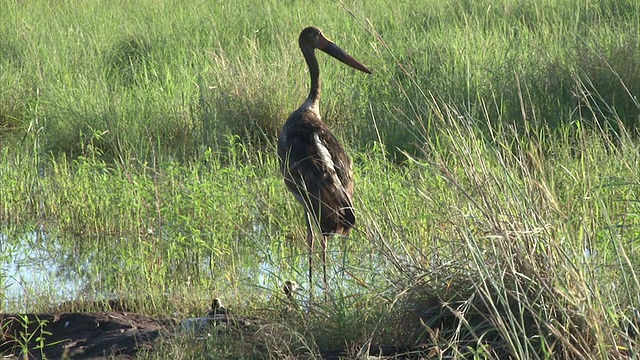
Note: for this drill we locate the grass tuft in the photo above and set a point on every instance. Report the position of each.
(129, 62)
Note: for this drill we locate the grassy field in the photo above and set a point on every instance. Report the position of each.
(496, 168)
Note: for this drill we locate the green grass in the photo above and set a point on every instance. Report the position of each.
(495, 153)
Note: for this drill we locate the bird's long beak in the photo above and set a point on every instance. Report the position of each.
(334, 50)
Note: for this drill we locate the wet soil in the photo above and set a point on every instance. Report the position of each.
(108, 335)
(100, 335)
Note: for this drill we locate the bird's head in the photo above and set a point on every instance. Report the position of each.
(216, 304)
(290, 287)
(312, 37)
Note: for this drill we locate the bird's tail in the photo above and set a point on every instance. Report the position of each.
(340, 214)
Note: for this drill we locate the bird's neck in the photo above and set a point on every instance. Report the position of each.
(314, 72)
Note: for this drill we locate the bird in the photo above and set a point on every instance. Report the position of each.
(289, 288)
(217, 308)
(315, 167)
(220, 316)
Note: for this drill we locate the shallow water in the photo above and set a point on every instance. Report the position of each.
(28, 268)
(37, 267)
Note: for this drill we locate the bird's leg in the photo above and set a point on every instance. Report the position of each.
(325, 238)
(310, 244)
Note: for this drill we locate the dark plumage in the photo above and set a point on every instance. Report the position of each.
(315, 167)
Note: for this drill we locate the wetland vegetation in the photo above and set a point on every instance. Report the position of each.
(496, 161)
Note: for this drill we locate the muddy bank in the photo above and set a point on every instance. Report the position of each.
(113, 335)
(118, 335)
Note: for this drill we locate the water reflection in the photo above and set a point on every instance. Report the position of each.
(40, 266)
(31, 266)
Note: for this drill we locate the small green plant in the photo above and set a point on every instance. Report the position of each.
(27, 334)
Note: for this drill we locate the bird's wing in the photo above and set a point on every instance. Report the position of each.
(320, 174)
(336, 161)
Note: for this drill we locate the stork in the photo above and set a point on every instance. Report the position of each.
(315, 166)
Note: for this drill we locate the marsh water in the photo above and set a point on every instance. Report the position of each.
(29, 268)
(40, 268)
